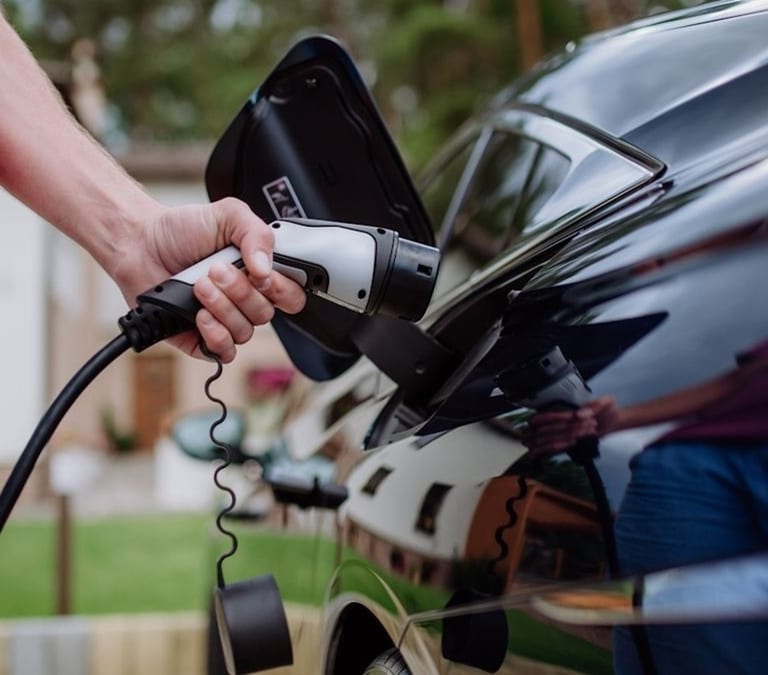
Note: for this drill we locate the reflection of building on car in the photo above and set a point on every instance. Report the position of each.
(545, 514)
(456, 523)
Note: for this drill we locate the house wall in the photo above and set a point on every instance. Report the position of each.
(23, 333)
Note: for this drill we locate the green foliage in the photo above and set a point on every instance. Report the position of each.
(451, 60)
(181, 69)
(301, 564)
(563, 21)
(118, 565)
(119, 440)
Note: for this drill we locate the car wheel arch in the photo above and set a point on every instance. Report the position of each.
(357, 638)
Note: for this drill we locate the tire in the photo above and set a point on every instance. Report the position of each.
(389, 663)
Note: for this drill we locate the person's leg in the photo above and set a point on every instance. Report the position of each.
(689, 503)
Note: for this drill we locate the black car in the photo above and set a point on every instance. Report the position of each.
(604, 229)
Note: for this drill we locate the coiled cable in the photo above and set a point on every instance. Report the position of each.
(227, 460)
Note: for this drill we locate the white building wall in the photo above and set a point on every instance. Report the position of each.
(22, 324)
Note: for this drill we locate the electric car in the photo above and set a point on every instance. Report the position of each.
(604, 231)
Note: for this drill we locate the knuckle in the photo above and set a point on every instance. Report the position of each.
(266, 235)
(291, 298)
(234, 210)
(240, 291)
(217, 342)
(265, 313)
(232, 205)
(242, 334)
(216, 337)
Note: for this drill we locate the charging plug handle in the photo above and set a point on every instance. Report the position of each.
(369, 270)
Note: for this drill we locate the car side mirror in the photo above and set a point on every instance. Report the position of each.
(192, 434)
(726, 590)
(308, 494)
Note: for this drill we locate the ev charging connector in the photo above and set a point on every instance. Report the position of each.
(369, 270)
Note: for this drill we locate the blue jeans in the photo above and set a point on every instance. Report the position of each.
(690, 502)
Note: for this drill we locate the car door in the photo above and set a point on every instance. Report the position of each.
(434, 512)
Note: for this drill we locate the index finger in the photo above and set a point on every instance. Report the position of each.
(285, 293)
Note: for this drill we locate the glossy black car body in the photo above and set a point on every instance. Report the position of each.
(612, 204)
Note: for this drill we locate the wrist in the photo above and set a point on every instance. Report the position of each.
(119, 243)
(608, 415)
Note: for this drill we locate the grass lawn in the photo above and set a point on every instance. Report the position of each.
(146, 564)
(167, 563)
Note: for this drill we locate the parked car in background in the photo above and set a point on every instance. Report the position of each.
(610, 209)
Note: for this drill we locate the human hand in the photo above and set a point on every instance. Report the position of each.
(233, 302)
(552, 432)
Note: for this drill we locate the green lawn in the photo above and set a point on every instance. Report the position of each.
(167, 563)
(146, 564)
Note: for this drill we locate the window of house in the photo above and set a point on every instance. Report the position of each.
(427, 572)
(396, 561)
(376, 479)
(430, 507)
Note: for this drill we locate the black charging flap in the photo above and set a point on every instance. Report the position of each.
(310, 142)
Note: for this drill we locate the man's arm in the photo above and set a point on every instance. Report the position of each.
(50, 163)
(553, 432)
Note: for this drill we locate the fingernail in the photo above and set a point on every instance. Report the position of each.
(261, 264)
(222, 273)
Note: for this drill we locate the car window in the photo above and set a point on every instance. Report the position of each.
(488, 211)
(442, 184)
(548, 173)
(512, 181)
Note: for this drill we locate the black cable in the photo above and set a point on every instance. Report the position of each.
(47, 425)
(512, 518)
(227, 451)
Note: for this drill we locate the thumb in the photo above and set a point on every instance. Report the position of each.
(236, 224)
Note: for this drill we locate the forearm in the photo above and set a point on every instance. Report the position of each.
(678, 405)
(52, 165)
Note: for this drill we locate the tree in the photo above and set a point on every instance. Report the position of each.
(180, 69)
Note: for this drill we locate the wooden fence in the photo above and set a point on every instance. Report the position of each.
(136, 644)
